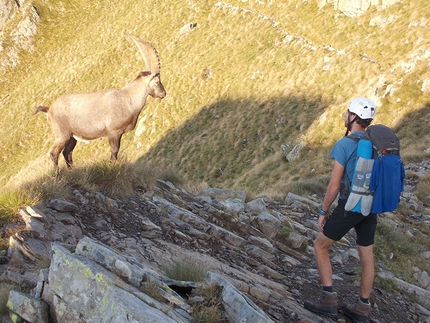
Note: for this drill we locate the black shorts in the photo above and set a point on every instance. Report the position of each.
(340, 222)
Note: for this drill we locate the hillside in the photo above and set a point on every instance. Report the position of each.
(251, 81)
(256, 95)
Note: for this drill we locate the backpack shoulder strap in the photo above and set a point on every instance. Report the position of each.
(353, 137)
(345, 188)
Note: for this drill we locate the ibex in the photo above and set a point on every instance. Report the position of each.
(108, 113)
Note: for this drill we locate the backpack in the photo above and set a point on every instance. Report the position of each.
(379, 172)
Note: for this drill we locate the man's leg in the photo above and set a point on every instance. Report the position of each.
(327, 305)
(360, 312)
(322, 246)
(368, 270)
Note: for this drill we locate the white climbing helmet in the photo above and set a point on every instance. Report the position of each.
(364, 108)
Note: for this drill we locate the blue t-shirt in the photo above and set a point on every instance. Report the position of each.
(344, 152)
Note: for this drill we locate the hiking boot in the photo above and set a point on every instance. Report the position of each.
(326, 306)
(359, 313)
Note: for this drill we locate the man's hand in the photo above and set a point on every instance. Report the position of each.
(321, 222)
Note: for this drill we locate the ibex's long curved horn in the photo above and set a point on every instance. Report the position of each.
(149, 54)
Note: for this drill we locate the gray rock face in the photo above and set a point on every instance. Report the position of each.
(111, 299)
(28, 308)
(422, 294)
(96, 284)
(7, 8)
(88, 281)
(90, 257)
(354, 8)
(220, 194)
(21, 29)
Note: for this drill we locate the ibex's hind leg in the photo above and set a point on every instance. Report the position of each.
(114, 143)
(57, 148)
(68, 151)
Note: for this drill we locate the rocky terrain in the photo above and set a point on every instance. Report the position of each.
(261, 250)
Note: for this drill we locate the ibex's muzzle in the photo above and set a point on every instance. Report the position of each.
(162, 93)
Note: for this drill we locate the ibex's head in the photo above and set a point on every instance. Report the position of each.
(152, 66)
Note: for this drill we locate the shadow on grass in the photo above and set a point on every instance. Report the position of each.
(237, 141)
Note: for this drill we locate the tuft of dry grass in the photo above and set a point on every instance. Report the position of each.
(209, 308)
(152, 289)
(186, 270)
(12, 200)
(112, 179)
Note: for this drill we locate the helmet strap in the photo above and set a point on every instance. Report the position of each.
(349, 124)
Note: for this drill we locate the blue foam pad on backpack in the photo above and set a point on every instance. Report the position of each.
(364, 149)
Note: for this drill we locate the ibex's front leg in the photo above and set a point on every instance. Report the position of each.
(114, 143)
(68, 151)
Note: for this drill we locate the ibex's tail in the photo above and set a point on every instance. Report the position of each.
(41, 109)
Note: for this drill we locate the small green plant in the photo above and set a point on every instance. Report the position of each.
(422, 190)
(186, 270)
(42, 262)
(403, 210)
(3, 246)
(151, 289)
(387, 284)
(421, 237)
(286, 229)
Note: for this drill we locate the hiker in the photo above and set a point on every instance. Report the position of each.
(334, 226)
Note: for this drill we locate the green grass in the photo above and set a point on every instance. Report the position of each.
(316, 185)
(186, 270)
(11, 201)
(398, 252)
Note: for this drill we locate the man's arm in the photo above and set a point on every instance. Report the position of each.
(332, 191)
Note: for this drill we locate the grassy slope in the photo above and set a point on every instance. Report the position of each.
(266, 87)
